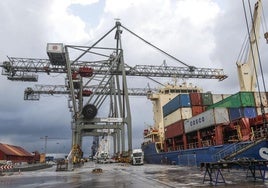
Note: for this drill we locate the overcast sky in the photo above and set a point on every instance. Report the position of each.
(202, 33)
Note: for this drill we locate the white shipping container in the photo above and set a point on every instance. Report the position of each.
(224, 96)
(206, 119)
(186, 113)
(259, 110)
(260, 98)
(172, 118)
(216, 98)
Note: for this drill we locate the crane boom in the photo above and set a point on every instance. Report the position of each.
(247, 70)
(34, 93)
(19, 69)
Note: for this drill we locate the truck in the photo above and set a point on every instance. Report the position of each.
(137, 157)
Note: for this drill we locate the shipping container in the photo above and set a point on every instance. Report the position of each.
(197, 110)
(173, 117)
(186, 113)
(240, 99)
(259, 111)
(206, 99)
(260, 98)
(175, 129)
(185, 100)
(171, 106)
(224, 96)
(237, 113)
(216, 98)
(206, 119)
(196, 99)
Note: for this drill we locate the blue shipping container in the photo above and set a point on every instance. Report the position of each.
(185, 100)
(236, 113)
(171, 106)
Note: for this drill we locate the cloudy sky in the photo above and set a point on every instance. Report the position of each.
(202, 33)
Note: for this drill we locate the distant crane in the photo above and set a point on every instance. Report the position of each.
(46, 138)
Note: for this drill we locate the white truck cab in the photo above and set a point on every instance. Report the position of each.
(137, 157)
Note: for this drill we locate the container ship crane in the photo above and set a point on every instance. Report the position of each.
(247, 66)
(105, 75)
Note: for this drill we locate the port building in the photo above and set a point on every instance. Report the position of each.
(14, 153)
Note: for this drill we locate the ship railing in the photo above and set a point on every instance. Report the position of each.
(206, 143)
(232, 148)
(177, 148)
(193, 145)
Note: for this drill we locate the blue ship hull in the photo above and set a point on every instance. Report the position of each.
(194, 157)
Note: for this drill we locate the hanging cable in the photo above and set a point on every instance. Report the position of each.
(190, 67)
(243, 50)
(258, 52)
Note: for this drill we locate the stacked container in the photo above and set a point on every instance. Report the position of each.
(237, 113)
(197, 104)
(175, 129)
(208, 118)
(238, 100)
(171, 106)
(206, 99)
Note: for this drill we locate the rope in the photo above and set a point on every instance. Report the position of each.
(191, 67)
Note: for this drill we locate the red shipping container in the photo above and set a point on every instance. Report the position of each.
(196, 99)
(197, 110)
(175, 129)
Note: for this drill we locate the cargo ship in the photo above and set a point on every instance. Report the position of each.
(192, 126)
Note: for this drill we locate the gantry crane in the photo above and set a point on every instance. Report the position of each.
(90, 83)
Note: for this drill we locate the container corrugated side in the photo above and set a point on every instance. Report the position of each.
(206, 119)
(186, 113)
(206, 99)
(237, 113)
(185, 100)
(175, 129)
(196, 99)
(197, 110)
(216, 98)
(260, 98)
(259, 112)
(173, 117)
(240, 99)
(171, 106)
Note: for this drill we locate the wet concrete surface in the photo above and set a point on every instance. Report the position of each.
(124, 176)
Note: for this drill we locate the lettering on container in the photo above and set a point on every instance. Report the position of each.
(197, 121)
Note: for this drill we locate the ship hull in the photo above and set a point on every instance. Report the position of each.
(194, 157)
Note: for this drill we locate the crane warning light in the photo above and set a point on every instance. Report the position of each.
(85, 71)
(86, 93)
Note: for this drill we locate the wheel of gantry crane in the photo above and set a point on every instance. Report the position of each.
(89, 111)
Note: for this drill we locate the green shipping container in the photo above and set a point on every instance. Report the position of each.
(240, 99)
(206, 99)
